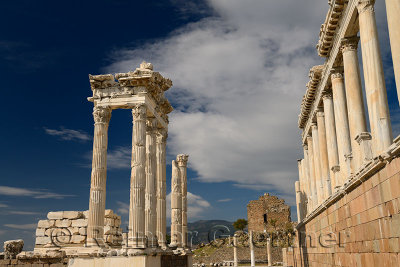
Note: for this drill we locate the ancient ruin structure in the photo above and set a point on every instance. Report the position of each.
(260, 213)
(348, 189)
(94, 237)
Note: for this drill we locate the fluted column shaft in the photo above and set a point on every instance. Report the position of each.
(317, 164)
(393, 11)
(137, 237)
(378, 107)
(161, 142)
(176, 207)
(308, 179)
(304, 187)
(342, 124)
(97, 201)
(331, 139)
(323, 152)
(150, 192)
(298, 201)
(313, 184)
(182, 160)
(354, 96)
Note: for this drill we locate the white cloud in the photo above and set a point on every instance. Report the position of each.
(35, 193)
(23, 212)
(119, 158)
(69, 134)
(196, 205)
(22, 226)
(2, 205)
(224, 200)
(239, 77)
(123, 208)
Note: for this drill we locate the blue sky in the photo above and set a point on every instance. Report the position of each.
(239, 70)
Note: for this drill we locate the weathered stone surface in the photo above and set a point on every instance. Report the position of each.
(72, 214)
(108, 213)
(55, 215)
(82, 230)
(42, 240)
(63, 223)
(78, 239)
(40, 232)
(12, 248)
(79, 223)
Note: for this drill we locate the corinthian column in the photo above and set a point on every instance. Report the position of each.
(307, 176)
(97, 200)
(393, 11)
(357, 121)
(176, 207)
(313, 184)
(323, 152)
(332, 146)
(317, 164)
(161, 141)
(182, 160)
(298, 201)
(342, 123)
(137, 237)
(150, 192)
(378, 108)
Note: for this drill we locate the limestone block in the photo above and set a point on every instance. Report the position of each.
(55, 215)
(44, 224)
(78, 239)
(63, 223)
(12, 248)
(72, 214)
(109, 230)
(40, 231)
(79, 223)
(48, 231)
(73, 230)
(108, 213)
(82, 230)
(86, 214)
(42, 240)
(109, 221)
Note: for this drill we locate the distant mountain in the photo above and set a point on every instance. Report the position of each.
(204, 231)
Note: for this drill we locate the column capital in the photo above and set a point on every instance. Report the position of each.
(349, 44)
(309, 138)
(151, 124)
(101, 114)
(335, 169)
(182, 160)
(161, 136)
(327, 95)
(363, 136)
(314, 125)
(305, 146)
(320, 112)
(139, 112)
(337, 73)
(365, 5)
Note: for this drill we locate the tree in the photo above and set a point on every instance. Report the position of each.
(240, 224)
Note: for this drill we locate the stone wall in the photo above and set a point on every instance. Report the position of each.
(68, 229)
(275, 208)
(364, 225)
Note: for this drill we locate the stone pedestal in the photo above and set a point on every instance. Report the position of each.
(378, 108)
(136, 236)
(97, 201)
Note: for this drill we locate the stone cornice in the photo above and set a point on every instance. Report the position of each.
(308, 98)
(328, 29)
(329, 64)
(141, 81)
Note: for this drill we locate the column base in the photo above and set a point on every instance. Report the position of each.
(137, 242)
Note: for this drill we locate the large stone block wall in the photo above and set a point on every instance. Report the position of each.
(364, 225)
(275, 208)
(68, 229)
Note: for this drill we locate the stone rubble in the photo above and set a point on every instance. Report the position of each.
(12, 248)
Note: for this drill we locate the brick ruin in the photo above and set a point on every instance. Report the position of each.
(274, 209)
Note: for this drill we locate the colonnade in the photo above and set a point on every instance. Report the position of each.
(338, 144)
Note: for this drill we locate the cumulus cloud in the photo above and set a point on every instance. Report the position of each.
(35, 193)
(239, 76)
(22, 226)
(119, 158)
(224, 200)
(69, 134)
(196, 205)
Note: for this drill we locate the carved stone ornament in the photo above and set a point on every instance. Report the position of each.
(139, 112)
(349, 44)
(327, 95)
(337, 73)
(101, 114)
(182, 159)
(365, 5)
(151, 124)
(161, 136)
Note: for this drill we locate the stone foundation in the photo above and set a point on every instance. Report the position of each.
(360, 226)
